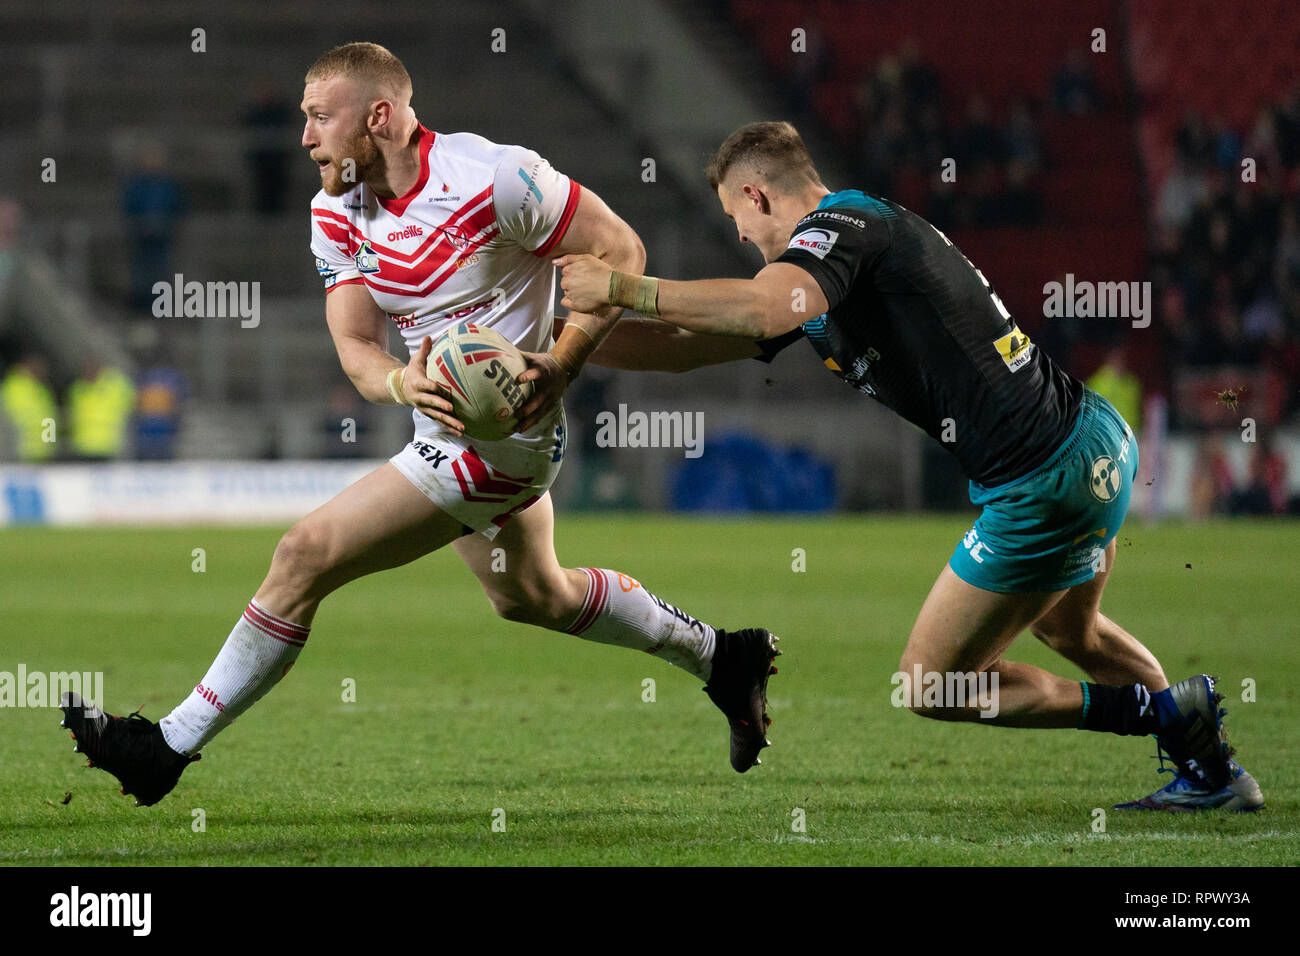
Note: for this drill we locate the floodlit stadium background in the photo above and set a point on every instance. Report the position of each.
(153, 138)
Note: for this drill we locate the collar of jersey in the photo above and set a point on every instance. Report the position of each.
(398, 206)
(845, 197)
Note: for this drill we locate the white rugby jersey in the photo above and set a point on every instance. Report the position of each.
(472, 239)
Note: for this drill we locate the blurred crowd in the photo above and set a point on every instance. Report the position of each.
(1216, 488)
(902, 136)
(1225, 262)
(101, 415)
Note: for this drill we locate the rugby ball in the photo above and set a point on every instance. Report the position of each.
(478, 367)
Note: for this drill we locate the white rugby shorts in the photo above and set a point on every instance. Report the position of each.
(483, 483)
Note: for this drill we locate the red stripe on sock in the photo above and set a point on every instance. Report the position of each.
(302, 629)
(594, 603)
(285, 631)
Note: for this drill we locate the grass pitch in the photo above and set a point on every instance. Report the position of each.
(463, 720)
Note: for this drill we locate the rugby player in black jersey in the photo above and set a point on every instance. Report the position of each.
(895, 310)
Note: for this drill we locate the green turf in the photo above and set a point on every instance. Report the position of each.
(459, 713)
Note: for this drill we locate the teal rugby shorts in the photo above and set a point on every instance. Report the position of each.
(1048, 530)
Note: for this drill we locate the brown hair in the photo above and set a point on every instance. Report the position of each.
(369, 63)
(775, 151)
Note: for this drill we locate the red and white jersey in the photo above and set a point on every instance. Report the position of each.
(472, 239)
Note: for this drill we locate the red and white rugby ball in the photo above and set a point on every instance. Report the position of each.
(478, 367)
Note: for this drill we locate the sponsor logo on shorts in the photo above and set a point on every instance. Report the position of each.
(1015, 349)
(1106, 479)
(429, 453)
(816, 240)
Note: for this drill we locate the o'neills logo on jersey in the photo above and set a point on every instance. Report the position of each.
(410, 232)
(817, 241)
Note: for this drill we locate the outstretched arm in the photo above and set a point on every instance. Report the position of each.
(649, 345)
(598, 233)
(778, 299)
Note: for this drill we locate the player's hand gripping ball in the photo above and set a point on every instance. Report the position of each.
(478, 368)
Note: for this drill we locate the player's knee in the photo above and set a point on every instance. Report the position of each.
(530, 603)
(1076, 640)
(904, 678)
(510, 607)
(302, 555)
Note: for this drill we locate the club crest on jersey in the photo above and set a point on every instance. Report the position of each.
(366, 258)
(1106, 479)
(818, 241)
(1015, 349)
(457, 235)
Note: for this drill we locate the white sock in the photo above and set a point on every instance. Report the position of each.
(258, 652)
(618, 610)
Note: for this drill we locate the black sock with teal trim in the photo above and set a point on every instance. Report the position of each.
(1128, 711)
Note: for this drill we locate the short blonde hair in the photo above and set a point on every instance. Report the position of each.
(774, 150)
(374, 67)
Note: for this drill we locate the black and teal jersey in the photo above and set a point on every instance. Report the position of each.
(915, 325)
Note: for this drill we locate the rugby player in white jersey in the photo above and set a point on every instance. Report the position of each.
(426, 230)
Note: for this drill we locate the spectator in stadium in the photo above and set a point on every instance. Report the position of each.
(153, 203)
(1181, 192)
(1265, 490)
(811, 66)
(1024, 141)
(1194, 141)
(11, 216)
(30, 408)
(1261, 144)
(1286, 116)
(99, 410)
(1117, 383)
(979, 141)
(1211, 483)
(919, 80)
(1022, 202)
(1286, 263)
(1074, 86)
(269, 121)
(162, 392)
